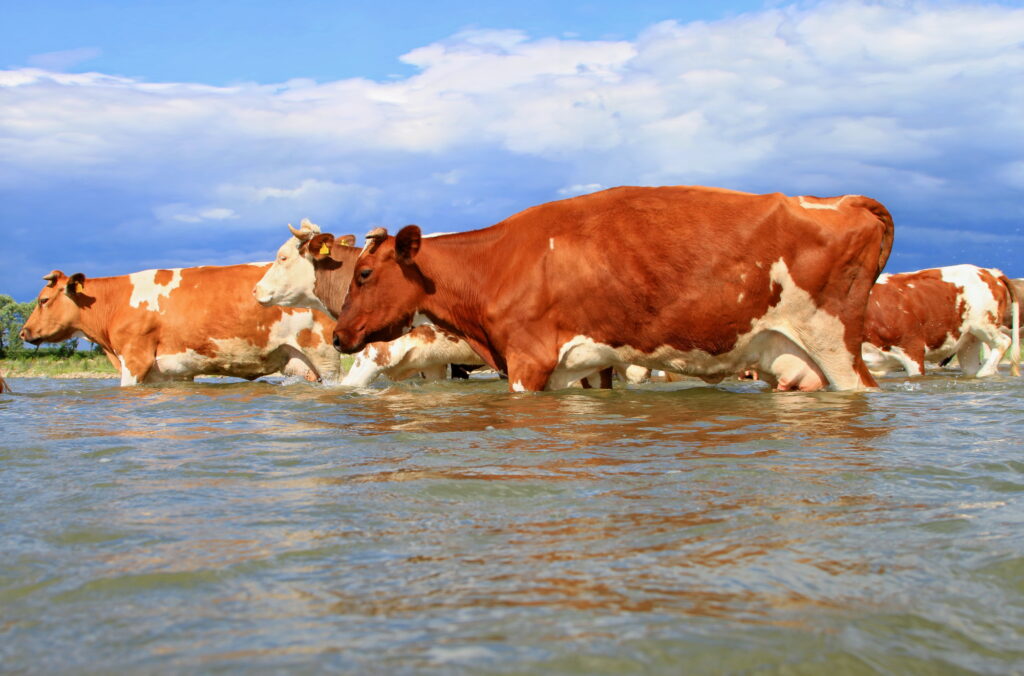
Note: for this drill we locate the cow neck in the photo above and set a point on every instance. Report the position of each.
(332, 279)
(108, 294)
(451, 264)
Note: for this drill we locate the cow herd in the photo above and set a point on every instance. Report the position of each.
(697, 281)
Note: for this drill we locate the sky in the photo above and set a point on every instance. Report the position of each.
(140, 134)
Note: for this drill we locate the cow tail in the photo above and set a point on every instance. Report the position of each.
(1015, 326)
(884, 218)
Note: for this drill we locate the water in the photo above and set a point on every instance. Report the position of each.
(455, 528)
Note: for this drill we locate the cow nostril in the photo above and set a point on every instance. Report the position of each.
(337, 343)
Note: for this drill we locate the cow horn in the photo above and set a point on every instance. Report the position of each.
(305, 230)
(374, 238)
(53, 277)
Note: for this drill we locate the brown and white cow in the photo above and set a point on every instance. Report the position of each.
(175, 324)
(313, 269)
(700, 281)
(930, 315)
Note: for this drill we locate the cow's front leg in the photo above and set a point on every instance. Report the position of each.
(528, 372)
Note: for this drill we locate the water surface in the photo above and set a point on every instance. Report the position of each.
(453, 527)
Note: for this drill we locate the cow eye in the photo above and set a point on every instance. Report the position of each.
(365, 273)
(42, 301)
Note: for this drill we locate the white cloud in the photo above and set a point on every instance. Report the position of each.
(915, 102)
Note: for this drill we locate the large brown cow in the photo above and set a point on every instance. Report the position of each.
(700, 281)
(175, 324)
(930, 315)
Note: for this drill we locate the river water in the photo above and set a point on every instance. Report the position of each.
(456, 528)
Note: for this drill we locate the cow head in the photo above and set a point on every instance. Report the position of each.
(386, 290)
(291, 279)
(58, 310)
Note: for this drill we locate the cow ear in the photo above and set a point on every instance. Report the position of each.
(346, 240)
(76, 285)
(319, 246)
(407, 243)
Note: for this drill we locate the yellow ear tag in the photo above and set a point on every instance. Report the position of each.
(78, 287)
(324, 249)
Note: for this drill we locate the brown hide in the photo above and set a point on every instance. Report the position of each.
(914, 310)
(686, 268)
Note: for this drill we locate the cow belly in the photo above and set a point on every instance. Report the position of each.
(233, 357)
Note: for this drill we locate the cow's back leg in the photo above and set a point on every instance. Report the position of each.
(827, 351)
(911, 358)
(998, 343)
(968, 355)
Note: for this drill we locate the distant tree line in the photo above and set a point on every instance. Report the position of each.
(12, 317)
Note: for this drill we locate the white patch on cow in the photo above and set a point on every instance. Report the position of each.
(739, 298)
(882, 278)
(517, 386)
(551, 243)
(831, 206)
(146, 290)
(811, 335)
(127, 378)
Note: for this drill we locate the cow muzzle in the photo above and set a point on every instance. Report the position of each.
(348, 342)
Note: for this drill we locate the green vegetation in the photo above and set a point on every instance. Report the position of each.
(57, 362)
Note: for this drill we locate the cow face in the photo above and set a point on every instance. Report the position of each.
(291, 279)
(386, 291)
(58, 309)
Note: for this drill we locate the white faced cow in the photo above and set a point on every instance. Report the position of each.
(313, 269)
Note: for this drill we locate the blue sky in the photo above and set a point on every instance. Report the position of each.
(146, 134)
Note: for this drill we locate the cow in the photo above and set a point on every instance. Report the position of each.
(931, 315)
(4, 387)
(313, 269)
(175, 324)
(700, 281)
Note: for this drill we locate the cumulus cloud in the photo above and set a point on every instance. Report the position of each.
(915, 103)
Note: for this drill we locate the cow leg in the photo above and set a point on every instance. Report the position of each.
(841, 369)
(527, 373)
(911, 360)
(136, 362)
(370, 363)
(998, 344)
(968, 356)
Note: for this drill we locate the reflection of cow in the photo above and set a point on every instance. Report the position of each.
(313, 269)
(701, 281)
(159, 325)
(931, 315)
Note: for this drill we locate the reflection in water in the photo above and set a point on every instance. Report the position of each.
(242, 525)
